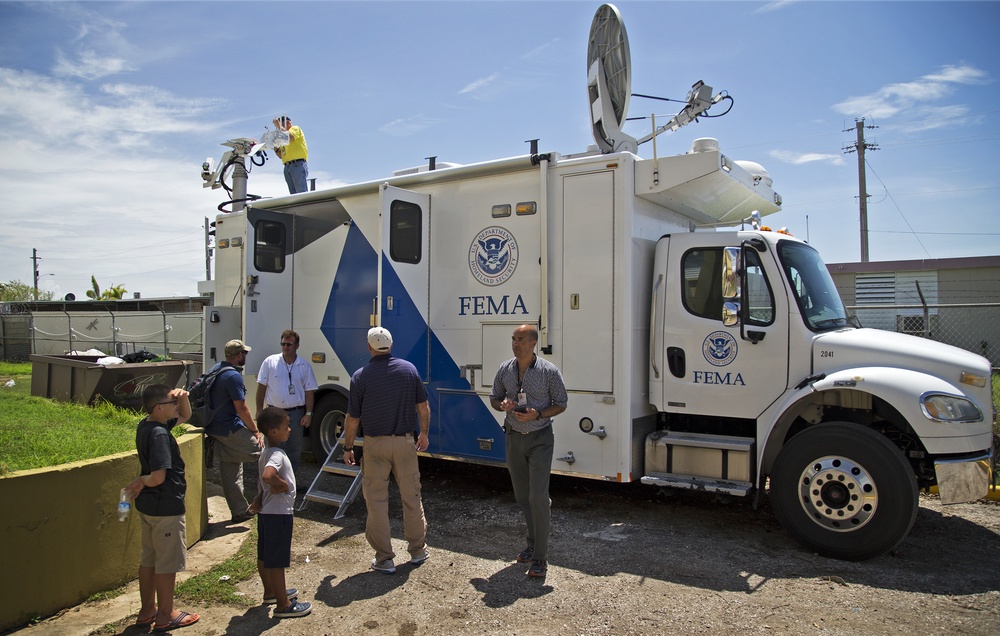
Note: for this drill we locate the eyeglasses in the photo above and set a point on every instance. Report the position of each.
(287, 344)
(174, 402)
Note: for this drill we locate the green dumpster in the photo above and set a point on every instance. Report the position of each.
(80, 379)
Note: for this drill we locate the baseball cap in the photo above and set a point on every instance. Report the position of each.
(235, 346)
(379, 339)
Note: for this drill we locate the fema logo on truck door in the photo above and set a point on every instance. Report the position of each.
(719, 348)
(493, 256)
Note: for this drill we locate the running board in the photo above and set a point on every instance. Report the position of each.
(704, 484)
(335, 470)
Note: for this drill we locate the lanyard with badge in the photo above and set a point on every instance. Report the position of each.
(522, 397)
(291, 386)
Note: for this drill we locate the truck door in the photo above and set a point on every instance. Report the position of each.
(268, 283)
(404, 274)
(707, 368)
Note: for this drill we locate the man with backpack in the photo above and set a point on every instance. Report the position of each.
(232, 427)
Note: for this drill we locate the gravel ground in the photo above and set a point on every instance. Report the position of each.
(625, 559)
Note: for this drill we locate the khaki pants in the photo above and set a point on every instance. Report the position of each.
(396, 455)
(233, 451)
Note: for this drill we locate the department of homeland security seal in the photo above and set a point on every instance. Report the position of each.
(493, 256)
(719, 348)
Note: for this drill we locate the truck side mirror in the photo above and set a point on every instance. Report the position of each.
(730, 314)
(731, 273)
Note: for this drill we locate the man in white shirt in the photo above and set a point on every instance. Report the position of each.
(286, 381)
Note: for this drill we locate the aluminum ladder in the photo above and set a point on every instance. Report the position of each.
(336, 472)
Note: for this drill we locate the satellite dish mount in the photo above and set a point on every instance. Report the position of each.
(609, 80)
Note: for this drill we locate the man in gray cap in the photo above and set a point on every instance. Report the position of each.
(233, 430)
(388, 398)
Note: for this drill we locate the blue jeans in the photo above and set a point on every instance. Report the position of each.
(296, 175)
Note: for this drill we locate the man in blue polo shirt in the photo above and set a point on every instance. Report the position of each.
(388, 397)
(237, 439)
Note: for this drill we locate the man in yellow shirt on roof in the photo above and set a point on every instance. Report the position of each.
(294, 155)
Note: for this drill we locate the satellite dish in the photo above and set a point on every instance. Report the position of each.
(70, 296)
(609, 80)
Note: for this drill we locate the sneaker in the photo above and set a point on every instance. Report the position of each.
(292, 594)
(420, 557)
(526, 555)
(293, 610)
(538, 568)
(386, 566)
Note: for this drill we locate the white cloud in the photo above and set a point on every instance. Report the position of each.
(406, 126)
(893, 99)
(479, 85)
(90, 66)
(799, 158)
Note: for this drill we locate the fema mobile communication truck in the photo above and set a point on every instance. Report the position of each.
(721, 361)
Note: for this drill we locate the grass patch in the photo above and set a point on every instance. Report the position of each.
(38, 432)
(207, 588)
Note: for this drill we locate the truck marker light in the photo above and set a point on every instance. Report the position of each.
(973, 379)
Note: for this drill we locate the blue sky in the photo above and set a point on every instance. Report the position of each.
(107, 111)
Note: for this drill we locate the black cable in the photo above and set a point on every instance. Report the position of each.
(731, 104)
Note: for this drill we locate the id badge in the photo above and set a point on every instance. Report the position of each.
(291, 389)
(522, 398)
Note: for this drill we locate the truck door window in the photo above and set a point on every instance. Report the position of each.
(404, 232)
(702, 282)
(269, 246)
(760, 300)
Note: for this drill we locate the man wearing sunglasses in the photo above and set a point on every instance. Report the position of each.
(287, 381)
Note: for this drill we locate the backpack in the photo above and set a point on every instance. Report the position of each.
(199, 395)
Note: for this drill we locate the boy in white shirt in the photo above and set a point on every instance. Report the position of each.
(275, 504)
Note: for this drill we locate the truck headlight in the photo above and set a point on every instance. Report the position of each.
(949, 408)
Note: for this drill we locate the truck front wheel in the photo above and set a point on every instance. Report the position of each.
(844, 491)
(330, 413)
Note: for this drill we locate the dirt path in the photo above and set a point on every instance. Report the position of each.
(626, 560)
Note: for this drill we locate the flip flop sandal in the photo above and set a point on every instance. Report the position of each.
(178, 622)
(144, 623)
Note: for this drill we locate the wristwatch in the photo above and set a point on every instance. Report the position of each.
(309, 413)
(348, 449)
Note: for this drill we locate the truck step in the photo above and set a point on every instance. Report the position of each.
(704, 440)
(320, 496)
(704, 484)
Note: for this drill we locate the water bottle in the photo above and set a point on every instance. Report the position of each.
(123, 506)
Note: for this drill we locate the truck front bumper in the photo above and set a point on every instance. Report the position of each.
(963, 480)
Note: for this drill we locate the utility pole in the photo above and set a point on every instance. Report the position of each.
(860, 146)
(34, 267)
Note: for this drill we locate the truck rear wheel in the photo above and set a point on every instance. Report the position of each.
(844, 491)
(330, 412)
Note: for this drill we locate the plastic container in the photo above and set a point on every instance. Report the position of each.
(124, 505)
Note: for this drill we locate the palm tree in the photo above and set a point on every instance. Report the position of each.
(95, 291)
(115, 292)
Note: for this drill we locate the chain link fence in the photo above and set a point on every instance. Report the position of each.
(974, 327)
(24, 332)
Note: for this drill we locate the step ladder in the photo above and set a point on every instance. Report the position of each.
(335, 473)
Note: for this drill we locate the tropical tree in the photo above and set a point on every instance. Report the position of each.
(16, 291)
(95, 291)
(115, 292)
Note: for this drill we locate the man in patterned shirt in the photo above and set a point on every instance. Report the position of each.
(531, 392)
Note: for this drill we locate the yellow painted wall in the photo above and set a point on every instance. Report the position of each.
(60, 538)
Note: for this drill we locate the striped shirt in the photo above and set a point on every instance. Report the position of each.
(384, 396)
(543, 384)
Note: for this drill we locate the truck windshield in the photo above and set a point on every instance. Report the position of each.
(813, 287)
